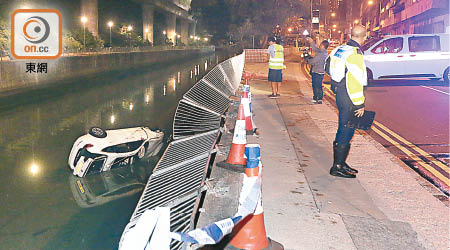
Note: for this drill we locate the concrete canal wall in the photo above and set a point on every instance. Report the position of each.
(14, 79)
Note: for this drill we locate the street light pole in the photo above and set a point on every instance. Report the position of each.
(129, 28)
(110, 24)
(84, 20)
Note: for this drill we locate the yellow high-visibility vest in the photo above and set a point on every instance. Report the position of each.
(347, 57)
(276, 62)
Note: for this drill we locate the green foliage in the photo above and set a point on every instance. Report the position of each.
(241, 19)
(91, 41)
(70, 43)
(4, 36)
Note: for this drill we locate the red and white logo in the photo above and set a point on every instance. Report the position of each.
(36, 34)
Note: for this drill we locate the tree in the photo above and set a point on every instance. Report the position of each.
(70, 43)
(242, 19)
(4, 36)
(91, 40)
(213, 17)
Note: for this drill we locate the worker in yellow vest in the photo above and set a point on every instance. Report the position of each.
(347, 70)
(276, 59)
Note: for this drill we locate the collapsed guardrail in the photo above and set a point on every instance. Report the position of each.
(179, 177)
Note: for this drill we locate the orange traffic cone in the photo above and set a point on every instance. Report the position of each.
(247, 113)
(236, 155)
(250, 233)
(247, 77)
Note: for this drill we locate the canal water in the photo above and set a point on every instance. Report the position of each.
(42, 205)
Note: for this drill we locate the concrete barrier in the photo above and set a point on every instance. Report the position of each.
(14, 79)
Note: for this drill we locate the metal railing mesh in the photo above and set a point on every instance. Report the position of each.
(206, 95)
(178, 178)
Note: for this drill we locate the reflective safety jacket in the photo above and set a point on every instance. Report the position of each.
(346, 65)
(276, 62)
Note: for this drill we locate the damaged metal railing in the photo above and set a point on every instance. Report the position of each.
(179, 177)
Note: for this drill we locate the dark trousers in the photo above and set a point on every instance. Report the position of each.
(344, 135)
(317, 85)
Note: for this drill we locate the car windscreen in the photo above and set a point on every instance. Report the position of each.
(370, 43)
(96, 166)
(388, 46)
(124, 147)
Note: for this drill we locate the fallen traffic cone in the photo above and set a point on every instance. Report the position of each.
(236, 155)
(250, 233)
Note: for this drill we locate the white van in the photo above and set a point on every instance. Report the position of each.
(408, 56)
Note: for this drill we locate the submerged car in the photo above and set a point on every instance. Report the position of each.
(98, 189)
(102, 150)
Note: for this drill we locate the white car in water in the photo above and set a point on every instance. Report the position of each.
(408, 56)
(101, 150)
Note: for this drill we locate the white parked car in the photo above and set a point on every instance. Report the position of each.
(101, 150)
(408, 56)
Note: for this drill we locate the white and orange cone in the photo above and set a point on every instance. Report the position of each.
(250, 233)
(247, 113)
(236, 154)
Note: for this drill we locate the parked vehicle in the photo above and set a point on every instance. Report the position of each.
(101, 150)
(408, 56)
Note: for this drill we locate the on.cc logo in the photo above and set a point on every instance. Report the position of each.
(36, 34)
(36, 29)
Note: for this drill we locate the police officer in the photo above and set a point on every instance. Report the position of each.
(348, 74)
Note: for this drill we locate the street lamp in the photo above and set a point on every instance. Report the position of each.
(289, 29)
(333, 14)
(146, 34)
(356, 21)
(206, 39)
(110, 24)
(370, 2)
(334, 25)
(84, 20)
(129, 28)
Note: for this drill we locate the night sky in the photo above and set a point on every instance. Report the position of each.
(119, 11)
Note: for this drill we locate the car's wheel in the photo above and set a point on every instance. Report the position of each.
(97, 132)
(447, 75)
(141, 153)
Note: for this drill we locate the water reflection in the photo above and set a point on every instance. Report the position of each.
(39, 209)
(34, 169)
(95, 190)
(172, 84)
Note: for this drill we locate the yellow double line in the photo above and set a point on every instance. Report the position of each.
(444, 179)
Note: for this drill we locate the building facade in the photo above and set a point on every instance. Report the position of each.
(405, 16)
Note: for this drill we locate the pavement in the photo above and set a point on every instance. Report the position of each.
(385, 207)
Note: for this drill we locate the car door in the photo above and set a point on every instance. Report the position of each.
(424, 57)
(387, 58)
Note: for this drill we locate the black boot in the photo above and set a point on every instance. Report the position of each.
(340, 153)
(345, 165)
